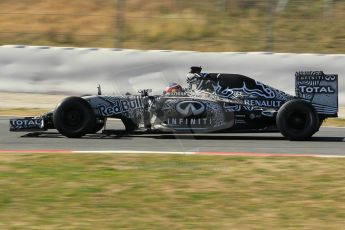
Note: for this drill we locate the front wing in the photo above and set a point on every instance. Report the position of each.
(27, 124)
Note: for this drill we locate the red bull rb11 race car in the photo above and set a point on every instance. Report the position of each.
(212, 103)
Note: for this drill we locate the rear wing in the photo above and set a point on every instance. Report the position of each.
(320, 89)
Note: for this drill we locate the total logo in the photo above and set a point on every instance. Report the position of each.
(316, 89)
(190, 108)
(26, 122)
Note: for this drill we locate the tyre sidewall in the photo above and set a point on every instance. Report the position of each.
(87, 122)
(312, 120)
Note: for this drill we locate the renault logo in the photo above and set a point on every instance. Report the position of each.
(189, 108)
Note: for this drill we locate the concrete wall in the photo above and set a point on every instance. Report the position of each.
(79, 70)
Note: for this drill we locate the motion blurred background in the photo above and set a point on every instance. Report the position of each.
(302, 26)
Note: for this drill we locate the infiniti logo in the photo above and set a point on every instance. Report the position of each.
(188, 108)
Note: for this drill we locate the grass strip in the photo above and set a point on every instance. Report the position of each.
(104, 191)
(222, 25)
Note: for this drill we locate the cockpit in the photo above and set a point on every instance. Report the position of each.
(194, 77)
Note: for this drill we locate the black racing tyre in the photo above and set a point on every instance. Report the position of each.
(297, 120)
(74, 117)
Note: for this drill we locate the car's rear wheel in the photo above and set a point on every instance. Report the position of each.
(74, 117)
(297, 120)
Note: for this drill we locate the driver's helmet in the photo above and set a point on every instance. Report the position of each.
(173, 88)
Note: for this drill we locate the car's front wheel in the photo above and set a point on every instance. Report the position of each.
(74, 117)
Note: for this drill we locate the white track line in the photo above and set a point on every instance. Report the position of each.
(241, 154)
(135, 152)
(250, 154)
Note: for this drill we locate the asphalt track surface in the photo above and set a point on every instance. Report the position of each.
(328, 141)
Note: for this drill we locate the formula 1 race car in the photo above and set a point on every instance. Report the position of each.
(213, 103)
